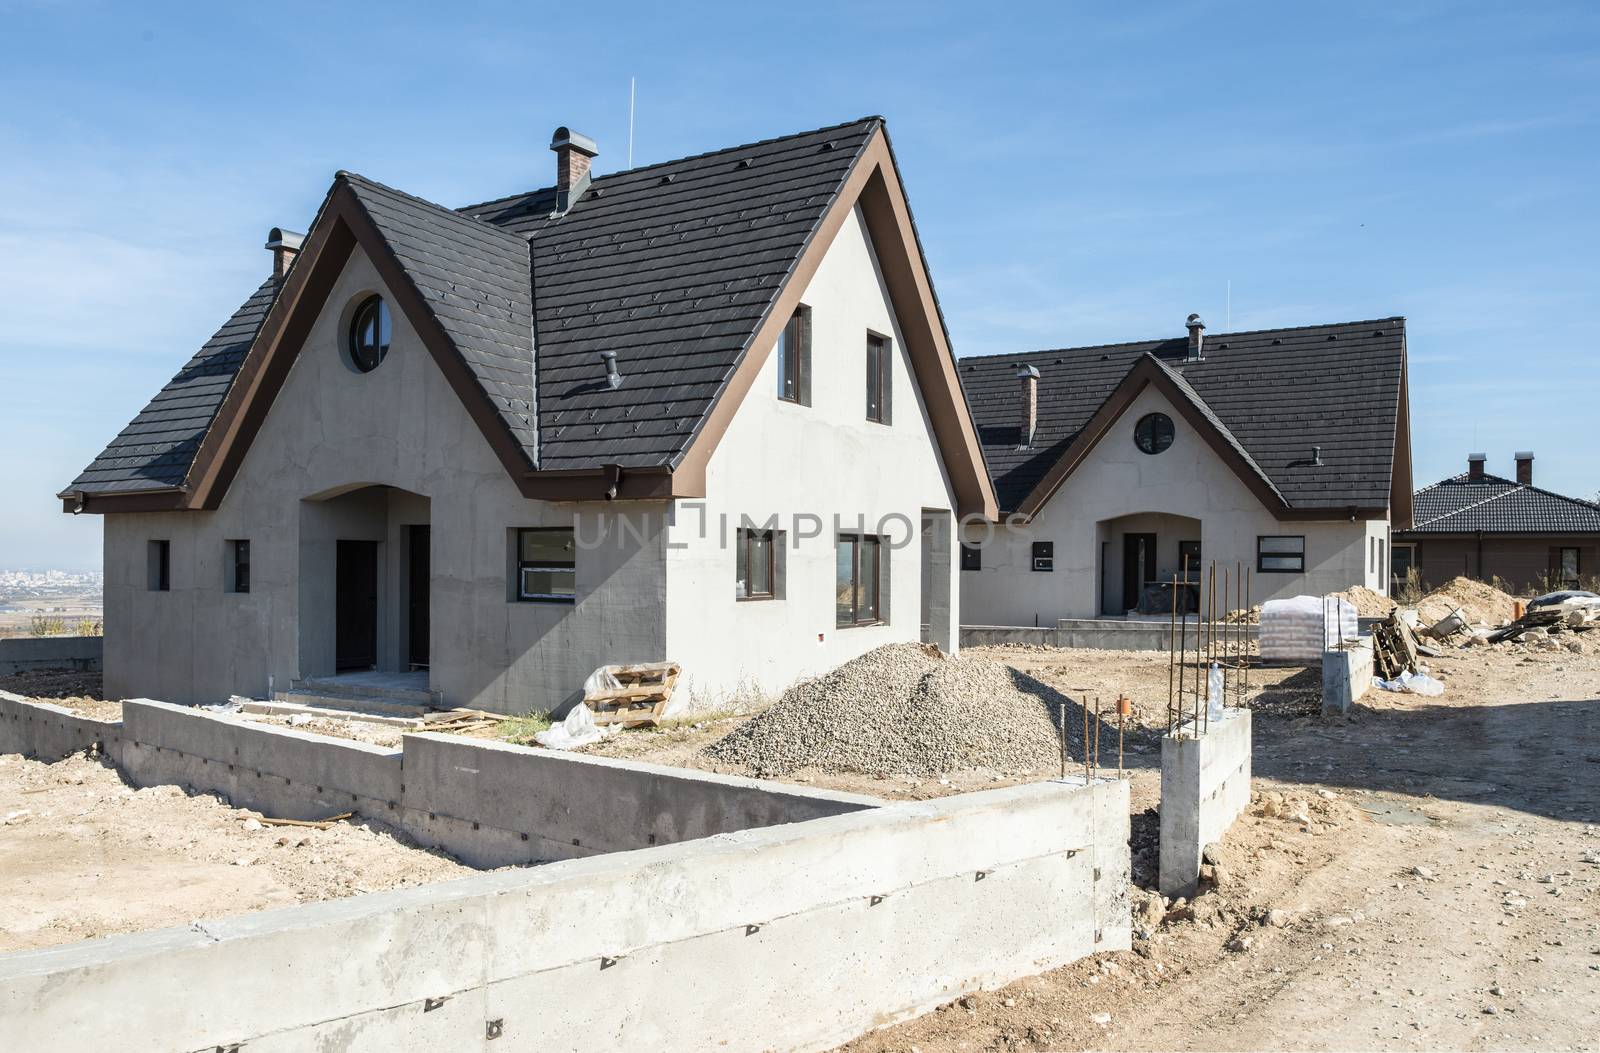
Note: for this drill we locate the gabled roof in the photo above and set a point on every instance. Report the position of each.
(1266, 397)
(681, 268)
(1494, 505)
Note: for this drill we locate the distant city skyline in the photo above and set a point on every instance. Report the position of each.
(1079, 176)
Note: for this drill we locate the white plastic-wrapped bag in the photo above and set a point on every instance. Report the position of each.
(1300, 629)
(1412, 683)
(578, 729)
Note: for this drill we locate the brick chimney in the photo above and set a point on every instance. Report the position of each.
(574, 152)
(284, 246)
(1197, 330)
(1475, 463)
(1029, 417)
(1525, 467)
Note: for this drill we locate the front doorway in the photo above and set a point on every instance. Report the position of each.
(356, 605)
(418, 539)
(1138, 567)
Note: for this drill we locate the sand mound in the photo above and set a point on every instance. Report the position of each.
(900, 710)
(1482, 604)
(1368, 604)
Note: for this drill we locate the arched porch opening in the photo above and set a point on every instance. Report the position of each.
(1140, 555)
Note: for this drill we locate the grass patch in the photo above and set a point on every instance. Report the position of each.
(522, 729)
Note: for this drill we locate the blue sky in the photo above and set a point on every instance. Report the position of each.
(1080, 173)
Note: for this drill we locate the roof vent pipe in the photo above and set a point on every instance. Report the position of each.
(1197, 330)
(613, 377)
(1475, 463)
(1525, 467)
(1316, 455)
(1028, 422)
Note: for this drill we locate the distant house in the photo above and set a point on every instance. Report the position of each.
(704, 411)
(1282, 452)
(1485, 526)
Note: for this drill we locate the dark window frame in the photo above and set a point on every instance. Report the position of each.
(794, 358)
(1043, 557)
(1262, 557)
(1185, 565)
(522, 595)
(239, 562)
(160, 573)
(1577, 565)
(881, 371)
(745, 539)
(1156, 441)
(858, 544)
(363, 360)
(971, 556)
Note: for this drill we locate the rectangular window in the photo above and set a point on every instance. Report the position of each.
(1372, 556)
(756, 563)
(1569, 567)
(858, 580)
(794, 358)
(546, 565)
(1281, 555)
(237, 571)
(1044, 556)
(1189, 560)
(158, 559)
(971, 557)
(880, 374)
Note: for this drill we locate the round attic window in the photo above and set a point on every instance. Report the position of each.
(1153, 433)
(369, 334)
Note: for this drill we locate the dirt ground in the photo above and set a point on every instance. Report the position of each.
(1422, 875)
(83, 855)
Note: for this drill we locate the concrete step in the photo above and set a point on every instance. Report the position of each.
(352, 703)
(289, 709)
(396, 689)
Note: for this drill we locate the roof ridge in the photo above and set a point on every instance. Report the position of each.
(1517, 488)
(357, 177)
(679, 160)
(1181, 337)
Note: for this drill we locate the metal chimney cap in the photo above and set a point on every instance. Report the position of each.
(1523, 455)
(1194, 322)
(1027, 372)
(1477, 457)
(278, 238)
(566, 137)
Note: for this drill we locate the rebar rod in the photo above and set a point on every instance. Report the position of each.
(1227, 636)
(1182, 657)
(1172, 645)
(1062, 713)
(1086, 776)
(1097, 729)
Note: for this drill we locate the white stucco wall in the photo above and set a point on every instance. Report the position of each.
(333, 429)
(1116, 479)
(823, 460)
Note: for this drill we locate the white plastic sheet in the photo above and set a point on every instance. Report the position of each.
(1412, 683)
(579, 729)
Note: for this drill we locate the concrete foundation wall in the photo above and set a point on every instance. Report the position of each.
(1205, 785)
(1104, 634)
(21, 654)
(793, 937)
(489, 804)
(1346, 676)
(1085, 522)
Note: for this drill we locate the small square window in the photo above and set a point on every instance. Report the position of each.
(158, 566)
(237, 571)
(1044, 556)
(794, 358)
(971, 557)
(546, 565)
(1280, 554)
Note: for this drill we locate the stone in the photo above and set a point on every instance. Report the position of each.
(1101, 1018)
(1422, 872)
(1278, 918)
(252, 824)
(1210, 853)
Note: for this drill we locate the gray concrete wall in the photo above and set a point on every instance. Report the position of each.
(794, 938)
(47, 732)
(1104, 634)
(1346, 676)
(1205, 785)
(489, 804)
(21, 654)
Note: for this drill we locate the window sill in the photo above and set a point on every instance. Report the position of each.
(756, 599)
(552, 600)
(1266, 570)
(860, 625)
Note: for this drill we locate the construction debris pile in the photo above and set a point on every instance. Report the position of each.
(1550, 616)
(906, 710)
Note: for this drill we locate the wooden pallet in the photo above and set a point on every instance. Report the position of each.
(642, 698)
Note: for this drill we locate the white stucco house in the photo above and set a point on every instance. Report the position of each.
(1280, 454)
(703, 411)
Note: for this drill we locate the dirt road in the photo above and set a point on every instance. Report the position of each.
(1425, 875)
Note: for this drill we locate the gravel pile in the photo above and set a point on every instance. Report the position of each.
(900, 710)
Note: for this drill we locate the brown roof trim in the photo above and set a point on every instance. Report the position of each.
(874, 184)
(1146, 372)
(342, 225)
(143, 501)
